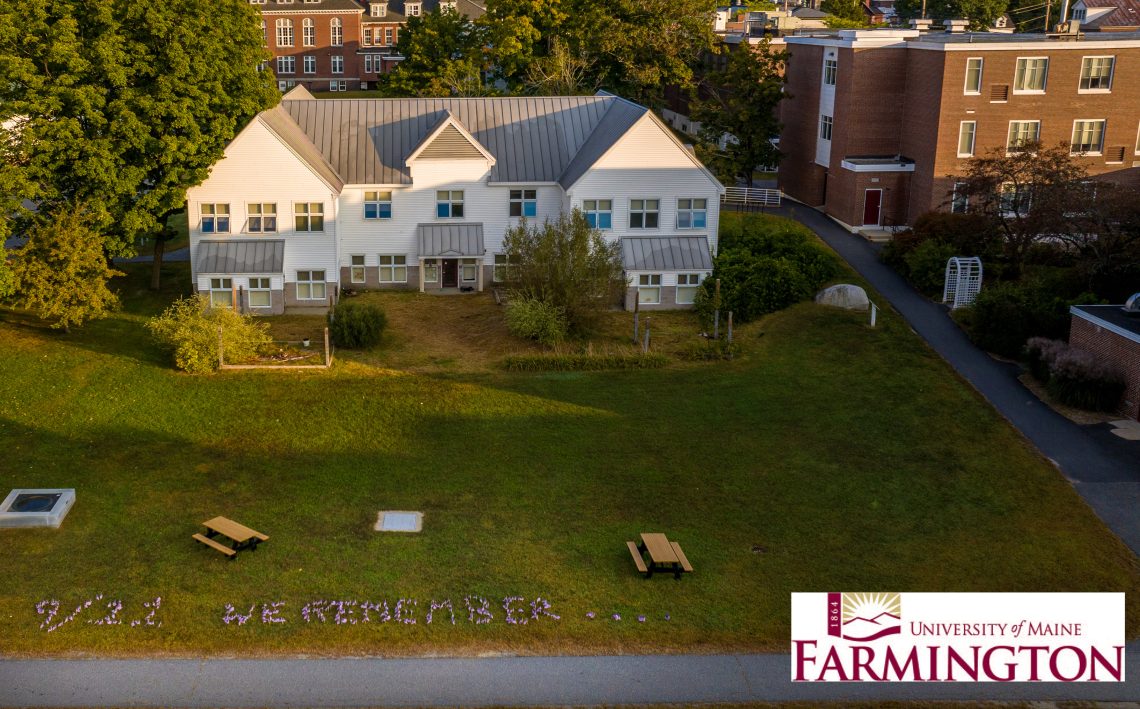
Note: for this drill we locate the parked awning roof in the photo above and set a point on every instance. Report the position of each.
(241, 256)
(450, 240)
(666, 253)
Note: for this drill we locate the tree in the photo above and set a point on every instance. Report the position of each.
(1026, 194)
(980, 13)
(443, 56)
(565, 264)
(742, 101)
(850, 10)
(560, 73)
(124, 105)
(1104, 232)
(62, 273)
(7, 277)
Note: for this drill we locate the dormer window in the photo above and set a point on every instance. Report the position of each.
(447, 6)
(378, 9)
(413, 9)
(256, 2)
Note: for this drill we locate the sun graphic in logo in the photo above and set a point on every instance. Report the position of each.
(867, 616)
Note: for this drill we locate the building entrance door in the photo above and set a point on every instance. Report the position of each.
(872, 204)
(450, 273)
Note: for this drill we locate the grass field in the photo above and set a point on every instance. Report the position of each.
(829, 456)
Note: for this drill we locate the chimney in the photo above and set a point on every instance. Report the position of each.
(956, 26)
(920, 24)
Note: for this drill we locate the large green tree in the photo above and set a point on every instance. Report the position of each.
(444, 55)
(122, 105)
(980, 13)
(849, 10)
(740, 103)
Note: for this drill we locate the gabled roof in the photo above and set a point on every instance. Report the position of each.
(286, 129)
(471, 9)
(449, 140)
(1126, 14)
(299, 6)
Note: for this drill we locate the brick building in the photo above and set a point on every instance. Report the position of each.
(1114, 334)
(878, 122)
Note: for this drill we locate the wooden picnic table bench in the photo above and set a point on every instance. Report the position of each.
(664, 555)
(241, 536)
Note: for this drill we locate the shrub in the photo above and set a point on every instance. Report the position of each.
(936, 237)
(583, 362)
(1039, 355)
(926, 266)
(532, 319)
(1005, 315)
(1081, 379)
(189, 328)
(355, 325)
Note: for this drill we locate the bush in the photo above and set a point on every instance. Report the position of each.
(532, 319)
(1005, 315)
(583, 362)
(355, 325)
(1081, 379)
(926, 267)
(1039, 355)
(189, 327)
(920, 255)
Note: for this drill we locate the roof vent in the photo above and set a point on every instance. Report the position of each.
(1132, 305)
(955, 26)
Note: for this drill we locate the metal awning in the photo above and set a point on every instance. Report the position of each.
(666, 253)
(241, 256)
(450, 240)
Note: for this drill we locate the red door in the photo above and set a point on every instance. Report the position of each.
(872, 201)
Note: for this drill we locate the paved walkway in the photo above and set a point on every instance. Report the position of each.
(182, 254)
(1106, 473)
(506, 681)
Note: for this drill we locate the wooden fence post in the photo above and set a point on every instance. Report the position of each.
(716, 312)
(328, 357)
(221, 356)
(636, 309)
(730, 327)
(645, 347)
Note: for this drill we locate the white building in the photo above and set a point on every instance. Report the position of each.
(314, 196)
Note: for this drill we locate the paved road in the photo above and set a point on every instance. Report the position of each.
(182, 254)
(507, 681)
(1105, 473)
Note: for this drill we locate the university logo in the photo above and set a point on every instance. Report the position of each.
(864, 616)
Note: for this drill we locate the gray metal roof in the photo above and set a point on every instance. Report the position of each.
(533, 139)
(278, 121)
(320, 5)
(666, 253)
(451, 239)
(231, 256)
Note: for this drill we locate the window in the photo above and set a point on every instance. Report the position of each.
(449, 204)
(393, 269)
(367, 63)
(966, 132)
(643, 213)
(413, 9)
(973, 75)
(825, 125)
(1021, 133)
(337, 64)
(335, 85)
(286, 65)
(309, 216)
(308, 33)
(468, 270)
(310, 64)
(259, 293)
(284, 32)
(337, 31)
(262, 218)
(1088, 137)
(222, 292)
(215, 219)
(387, 35)
(431, 270)
(264, 34)
(959, 201)
(692, 213)
(310, 285)
(378, 9)
(524, 203)
(356, 268)
(1013, 200)
(1096, 73)
(502, 268)
(1137, 151)
(1031, 74)
(599, 213)
(649, 288)
(687, 288)
(367, 37)
(377, 205)
(1079, 14)
(830, 68)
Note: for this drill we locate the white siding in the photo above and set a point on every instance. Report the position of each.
(826, 108)
(622, 175)
(257, 167)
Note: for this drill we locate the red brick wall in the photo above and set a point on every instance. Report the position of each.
(798, 175)
(323, 49)
(1113, 347)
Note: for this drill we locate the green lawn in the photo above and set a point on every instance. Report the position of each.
(829, 456)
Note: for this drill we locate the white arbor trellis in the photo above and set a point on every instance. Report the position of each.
(963, 281)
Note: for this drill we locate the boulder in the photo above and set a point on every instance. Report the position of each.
(844, 295)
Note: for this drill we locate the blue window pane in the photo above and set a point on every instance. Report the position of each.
(591, 219)
(224, 225)
(604, 220)
(698, 220)
(684, 220)
(207, 226)
(530, 209)
(370, 210)
(385, 211)
(441, 209)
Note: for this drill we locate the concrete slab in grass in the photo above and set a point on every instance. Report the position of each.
(397, 521)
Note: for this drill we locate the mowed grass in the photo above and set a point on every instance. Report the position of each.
(829, 456)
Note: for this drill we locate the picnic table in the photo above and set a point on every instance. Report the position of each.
(240, 536)
(664, 555)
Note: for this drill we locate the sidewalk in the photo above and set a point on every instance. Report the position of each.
(1105, 475)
